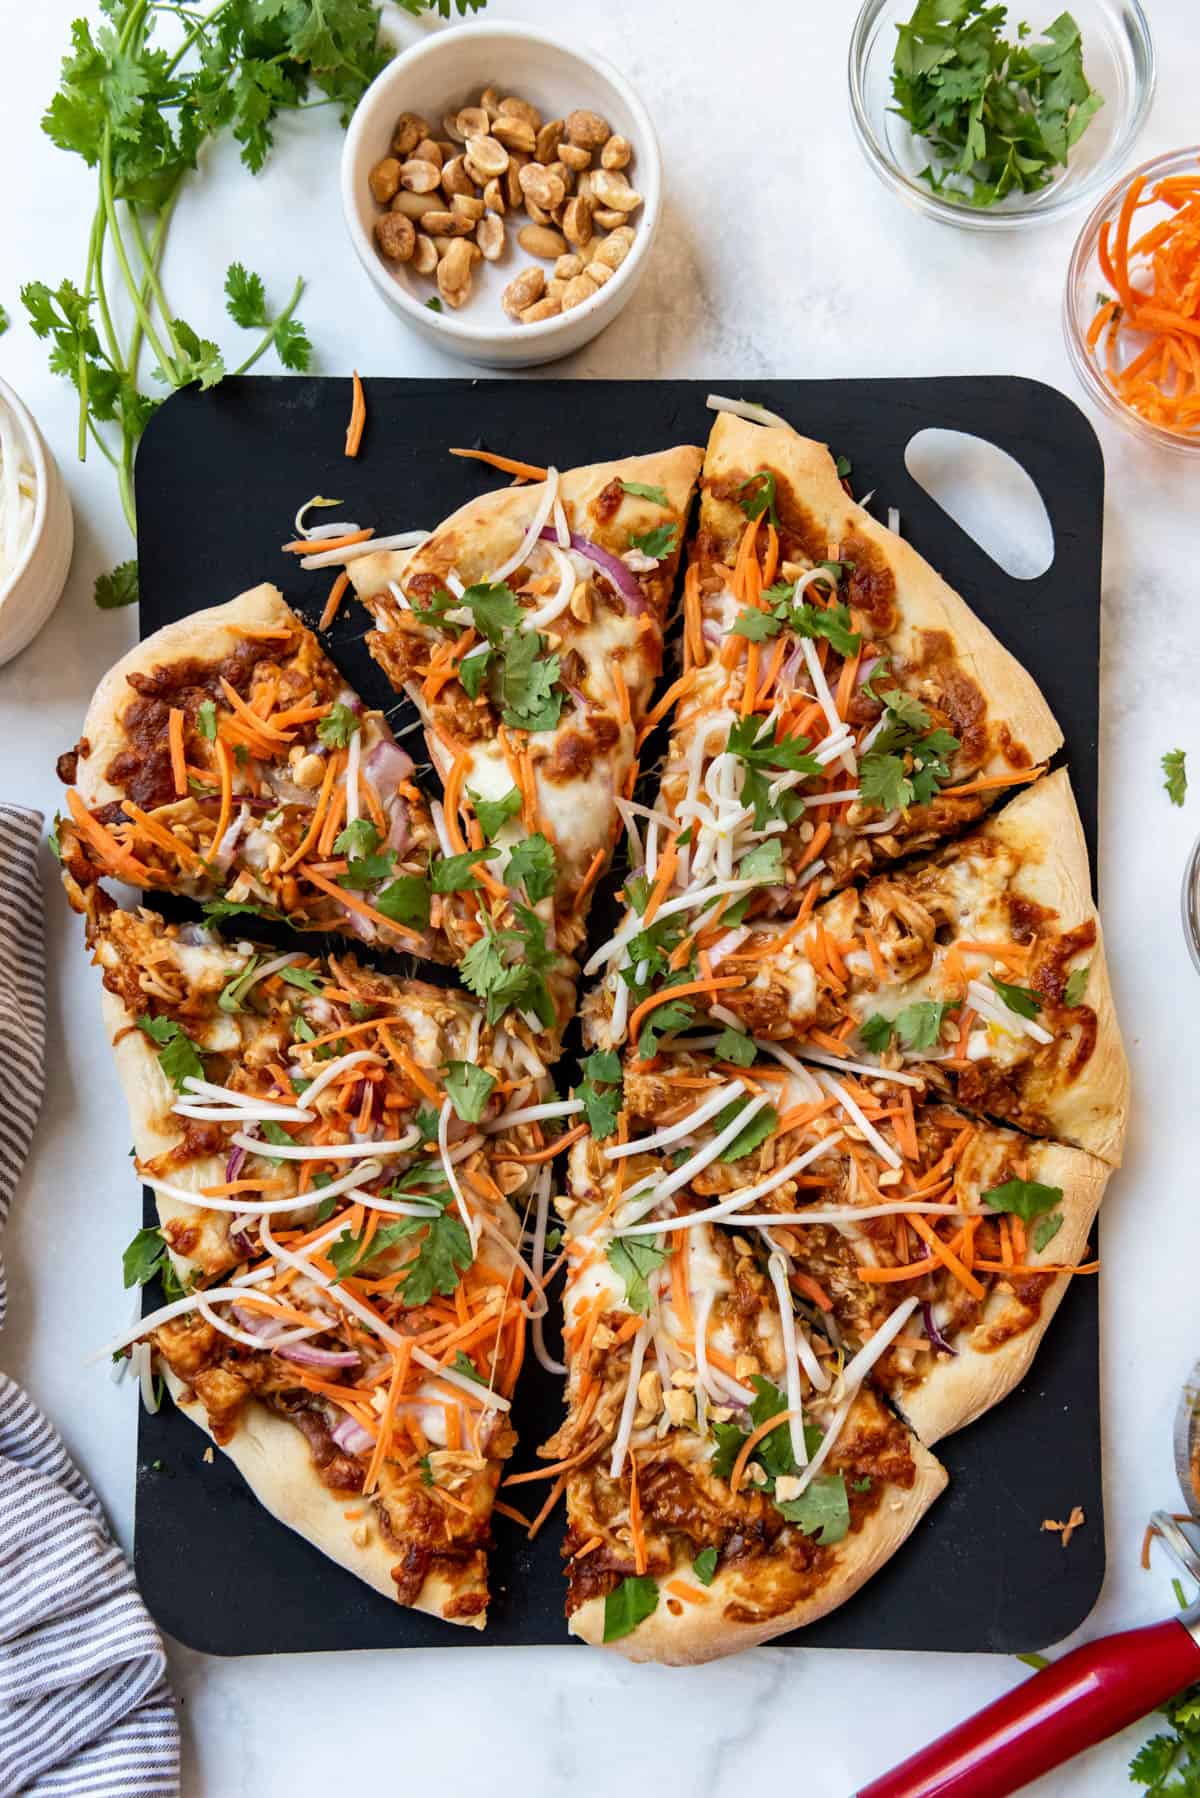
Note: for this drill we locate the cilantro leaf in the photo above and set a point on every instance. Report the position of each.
(359, 839)
(463, 1364)
(843, 466)
(1020, 999)
(426, 1122)
(216, 909)
(442, 1255)
(494, 607)
(756, 1131)
(757, 626)
(275, 1133)
(350, 1254)
(524, 685)
(1026, 1199)
(493, 814)
(368, 871)
(178, 1055)
(245, 297)
(405, 901)
(673, 1014)
(1076, 985)
(474, 669)
(705, 1566)
(338, 726)
(602, 1109)
(1046, 1229)
(206, 720)
(735, 1046)
(639, 490)
(919, 1026)
(532, 862)
(119, 587)
(883, 782)
(1174, 767)
(831, 622)
(234, 990)
(876, 1033)
(144, 1257)
(634, 1259)
(822, 1510)
(759, 492)
(763, 863)
(657, 543)
(629, 1604)
(602, 1064)
(469, 1089)
(456, 873)
(508, 967)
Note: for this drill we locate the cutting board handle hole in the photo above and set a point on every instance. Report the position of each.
(988, 495)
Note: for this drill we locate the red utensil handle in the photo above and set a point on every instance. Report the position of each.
(1087, 1695)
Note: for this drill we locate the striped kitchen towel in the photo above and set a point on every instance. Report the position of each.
(22, 1001)
(84, 1703)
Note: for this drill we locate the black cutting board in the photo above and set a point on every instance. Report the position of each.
(219, 476)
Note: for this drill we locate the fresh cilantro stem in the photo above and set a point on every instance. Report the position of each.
(271, 332)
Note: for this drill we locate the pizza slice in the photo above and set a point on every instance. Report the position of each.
(979, 972)
(843, 706)
(528, 631)
(344, 1162)
(729, 1476)
(225, 758)
(880, 1206)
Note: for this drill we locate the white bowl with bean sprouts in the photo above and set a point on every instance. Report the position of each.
(36, 528)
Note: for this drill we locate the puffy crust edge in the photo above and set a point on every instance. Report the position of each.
(924, 601)
(958, 1391)
(703, 1632)
(207, 636)
(272, 1457)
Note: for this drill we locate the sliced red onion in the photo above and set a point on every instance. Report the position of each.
(308, 1356)
(399, 834)
(352, 1437)
(711, 631)
(620, 576)
(866, 669)
(938, 1341)
(222, 856)
(387, 765)
(259, 1323)
(234, 1164)
(577, 695)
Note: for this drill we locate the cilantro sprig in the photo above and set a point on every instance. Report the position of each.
(998, 117)
(909, 760)
(823, 1508)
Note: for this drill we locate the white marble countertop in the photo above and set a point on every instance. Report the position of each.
(780, 255)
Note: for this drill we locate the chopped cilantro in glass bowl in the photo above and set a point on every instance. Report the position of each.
(1011, 185)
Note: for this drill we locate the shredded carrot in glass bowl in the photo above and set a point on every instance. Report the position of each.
(1137, 343)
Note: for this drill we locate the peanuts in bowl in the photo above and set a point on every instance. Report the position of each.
(452, 190)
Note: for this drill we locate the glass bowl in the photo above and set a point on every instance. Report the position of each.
(1086, 282)
(1118, 61)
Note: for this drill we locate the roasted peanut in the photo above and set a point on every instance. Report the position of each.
(428, 151)
(607, 219)
(489, 99)
(446, 224)
(489, 235)
(587, 129)
(384, 179)
(577, 221)
(616, 153)
(514, 134)
(450, 127)
(425, 256)
(521, 109)
(455, 179)
(616, 247)
(575, 157)
(610, 188)
(555, 289)
(494, 197)
(415, 206)
(512, 179)
(395, 236)
(538, 216)
(486, 155)
(547, 308)
(454, 273)
(468, 206)
(546, 143)
(410, 129)
(578, 290)
(420, 177)
(540, 240)
(524, 290)
(568, 265)
(599, 272)
(473, 121)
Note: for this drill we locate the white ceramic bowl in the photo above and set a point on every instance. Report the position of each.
(35, 587)
(448, 71)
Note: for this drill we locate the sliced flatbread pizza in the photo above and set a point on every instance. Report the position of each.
(979, 972)
(225, 758)
(879, 1206)
(728, 1478)
(528, 630)
(843, 706)
(341, 1201)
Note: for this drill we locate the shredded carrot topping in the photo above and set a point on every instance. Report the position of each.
(358, 417)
